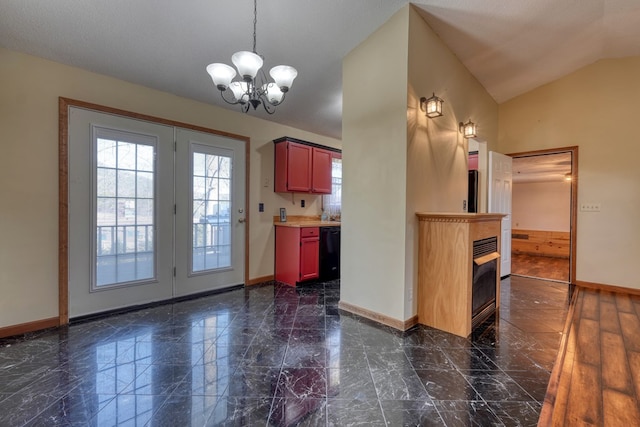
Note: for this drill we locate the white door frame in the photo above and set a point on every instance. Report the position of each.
(64, 105)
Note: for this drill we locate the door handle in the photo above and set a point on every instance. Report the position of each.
(241, 220)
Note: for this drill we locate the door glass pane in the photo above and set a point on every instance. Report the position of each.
(124, 199)
(211, 195)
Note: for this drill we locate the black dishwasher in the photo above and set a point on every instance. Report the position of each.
(329, 253)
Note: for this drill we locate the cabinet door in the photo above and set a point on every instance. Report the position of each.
(287, 262)
(309, 258)
(321, 182)
(299, 167)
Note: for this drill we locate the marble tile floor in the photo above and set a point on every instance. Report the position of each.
(281, 356)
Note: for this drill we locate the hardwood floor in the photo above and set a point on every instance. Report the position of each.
(542, 267)
(596, 380)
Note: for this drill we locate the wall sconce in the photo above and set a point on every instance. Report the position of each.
(432, 106)
(468, 129)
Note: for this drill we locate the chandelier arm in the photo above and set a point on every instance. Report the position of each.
(261, 79)
(253, 90)
(268, 107)
(266, 100)
(222, 92)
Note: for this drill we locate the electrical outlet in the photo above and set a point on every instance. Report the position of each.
(302, 203)
(464, 205)
(266, 182)
(590, 207)
(260, 207)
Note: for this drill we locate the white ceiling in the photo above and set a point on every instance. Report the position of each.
(510, 46)
(541, 168)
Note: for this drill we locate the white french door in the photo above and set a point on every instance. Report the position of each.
(120, 218)
(131, 186)
(210, 213)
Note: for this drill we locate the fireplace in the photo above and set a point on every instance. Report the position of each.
(453, 280)
(484, 285)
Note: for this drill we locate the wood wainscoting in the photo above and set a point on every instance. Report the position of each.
(541, 242)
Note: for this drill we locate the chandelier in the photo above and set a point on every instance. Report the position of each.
(253, 88)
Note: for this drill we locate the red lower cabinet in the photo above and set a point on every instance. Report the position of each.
(297, 254)
(309, 253)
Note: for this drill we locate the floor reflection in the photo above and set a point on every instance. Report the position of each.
(124, 370)
(277, 355)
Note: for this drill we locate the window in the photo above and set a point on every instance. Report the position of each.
(211, 203)
(333, 202)
(124, 207)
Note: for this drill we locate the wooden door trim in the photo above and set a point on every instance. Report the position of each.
(63, 186)
(573, 227)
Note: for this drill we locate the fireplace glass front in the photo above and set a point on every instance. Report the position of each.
(485, 262)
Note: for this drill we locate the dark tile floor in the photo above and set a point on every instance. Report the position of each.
(276, 355)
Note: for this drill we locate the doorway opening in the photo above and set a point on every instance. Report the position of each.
(543, 243)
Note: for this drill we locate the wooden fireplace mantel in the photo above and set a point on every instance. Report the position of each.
(445, 270)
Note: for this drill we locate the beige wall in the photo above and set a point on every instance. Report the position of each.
(404, 162)
(541, 206)
(437, 177)
(30, 88)
(374, 135)
(595, 108)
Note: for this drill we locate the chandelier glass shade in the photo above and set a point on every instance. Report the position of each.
(253, 88)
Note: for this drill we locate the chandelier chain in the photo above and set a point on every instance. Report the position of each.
(255, 23)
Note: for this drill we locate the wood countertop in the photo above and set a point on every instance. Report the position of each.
(298, 221)
(299, 224)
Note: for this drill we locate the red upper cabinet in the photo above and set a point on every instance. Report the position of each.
(299, 164)
(321, 172)
(302, 168)
(473, 161)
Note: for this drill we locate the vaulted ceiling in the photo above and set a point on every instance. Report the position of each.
(510, 46)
